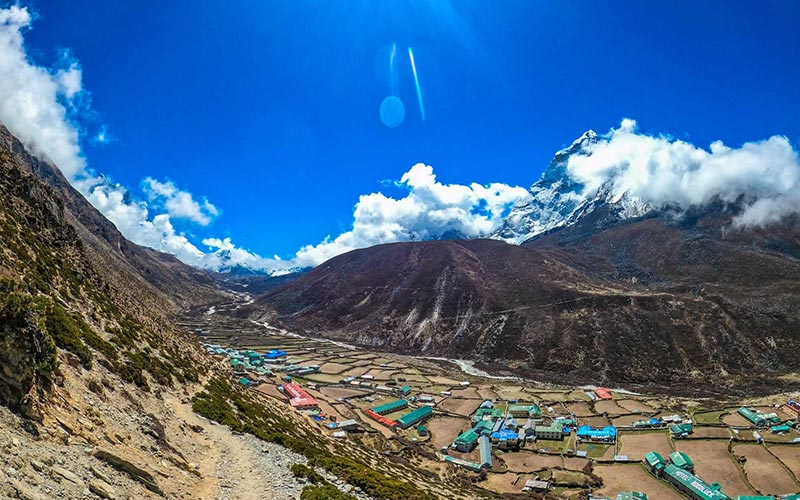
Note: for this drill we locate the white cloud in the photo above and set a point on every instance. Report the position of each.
(178, 203)
(103, 136)
(34, 102)
(225, 253)
(70, 79)
(30, 97)
(134, 221)
(429, 210)
(660, 170)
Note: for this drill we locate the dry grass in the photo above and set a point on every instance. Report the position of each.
(443, 381)
(468, 392)
(597, 421)
(734, 419)
(637, 444)
(486, 392)
(713, 463)
(333, 368)
(707, 432)
(635, 405)
(790, 456)
(764, 471)
(524, 461)
(627, 420)
(464, 407)
(632, 477)
(339, 392)
(444, 430)
(580, 409)
(609, 407)
(504, 483)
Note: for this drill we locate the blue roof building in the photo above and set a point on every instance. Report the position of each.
(605, 434)
(275, 354)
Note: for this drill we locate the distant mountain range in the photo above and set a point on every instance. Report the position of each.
(580, 286)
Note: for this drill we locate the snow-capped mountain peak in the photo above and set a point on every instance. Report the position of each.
(557, 199)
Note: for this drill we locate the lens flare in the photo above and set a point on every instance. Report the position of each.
(416, 82)
(392, 73)
(392, 111)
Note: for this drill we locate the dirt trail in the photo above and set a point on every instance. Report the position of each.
(237, 466)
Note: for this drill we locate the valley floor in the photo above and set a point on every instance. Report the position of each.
(347, 381)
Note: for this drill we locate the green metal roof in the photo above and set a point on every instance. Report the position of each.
(530, 409)
(750, 415)
(414, 416)
(481, 412)
(654, 459)
(632, 495)
(694, 484)
(681, 459)
(467, 437)
(483, 426)
(554, 427)
(680, 428)
(391, 406)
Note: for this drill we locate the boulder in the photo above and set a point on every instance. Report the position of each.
(102, 489)
(125, 465)
(69, 476)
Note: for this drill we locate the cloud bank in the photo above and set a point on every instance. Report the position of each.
(42, 106)
(660, 171)
(179, 203)
(36, 104)
(429, 210)
(33, 98)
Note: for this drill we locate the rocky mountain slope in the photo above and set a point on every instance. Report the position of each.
(660, 299)
(100, 394)
(87, 345)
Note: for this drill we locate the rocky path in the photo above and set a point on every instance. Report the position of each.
(236, 466)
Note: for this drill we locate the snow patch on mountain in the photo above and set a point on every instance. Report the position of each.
(557, 199)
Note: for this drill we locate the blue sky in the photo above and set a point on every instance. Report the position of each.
(270, 109)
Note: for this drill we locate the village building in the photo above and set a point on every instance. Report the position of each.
(758, 418)
(524, 411)
(414, 417)
(553, 431)
(680, 431)
(682, 460)
(486, 452)
(603, 393)
(466, 441)
(536, 485)
(632, 495)
(390, 407)
(606, 434)
(298, 397)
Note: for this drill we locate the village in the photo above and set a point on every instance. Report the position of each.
(511, 436)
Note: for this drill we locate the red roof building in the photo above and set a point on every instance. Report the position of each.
(380, 418)
(603, 392)
(298, 397)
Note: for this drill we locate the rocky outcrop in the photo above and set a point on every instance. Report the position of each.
(128, 467)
